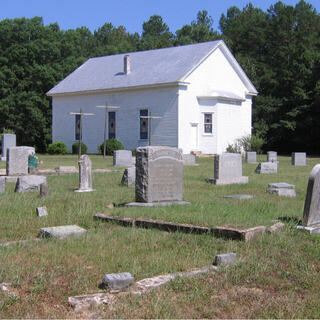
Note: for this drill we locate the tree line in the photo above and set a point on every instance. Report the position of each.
(279, 49)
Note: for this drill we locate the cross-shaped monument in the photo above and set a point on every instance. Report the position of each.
(106, 107)
(150, 125)
(80, 126)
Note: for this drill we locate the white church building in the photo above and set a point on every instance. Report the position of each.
(199, 95)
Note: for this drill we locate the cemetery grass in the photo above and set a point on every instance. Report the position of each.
(277, 275)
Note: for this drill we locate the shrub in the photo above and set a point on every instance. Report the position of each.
(57, 148)
(111, 145)
(75, 148)
(246, 143)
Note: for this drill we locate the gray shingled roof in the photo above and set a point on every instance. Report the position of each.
(152, 67)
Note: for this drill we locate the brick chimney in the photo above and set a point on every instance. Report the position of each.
(126, 64)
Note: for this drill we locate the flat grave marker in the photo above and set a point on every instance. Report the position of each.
(62, 232)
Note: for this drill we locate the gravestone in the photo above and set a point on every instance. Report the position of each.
(228, 169)
(238, 196)
(117, 281)
(299, 158)
(122, 158)
(62, 232)
(30, 183)
(267, 167)
(159, 176)
(282, 189)
(41, 211)
(66, 169)
(311, 213)
(272, 156)
(44, 190)
(189, 160)
(251, 157)
(129, 177)
(8, 140)
(225, 259)
(85, 174)
(2, 184)
(17, 161)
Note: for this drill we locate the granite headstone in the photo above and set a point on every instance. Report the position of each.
(228, 169)
(267, 167)
(272, 156)
(122, 158)
(298, 159)
(30, 183)
(8, 140)
(17, 161)
(282, 189)
(251, 157)
(85, 174)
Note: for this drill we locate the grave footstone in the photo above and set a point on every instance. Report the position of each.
(299, 158)
(17, 161)
(8, 140)
(159, 176)
(41, 211)
(282, 189)
(62, 232)
(117, 281)
(85, 174)
(122, 158)
(2, 184)
(129, 177)
(251, 157)
(267, 167)
(228, 169)
(311, 213)
(272, 156)
(29, 183)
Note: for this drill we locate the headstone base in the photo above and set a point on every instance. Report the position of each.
(220, 182)
(84, 190)
(157, 204)
(311, 230)
(283, 192)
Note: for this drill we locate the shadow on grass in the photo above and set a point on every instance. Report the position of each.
(293, 220)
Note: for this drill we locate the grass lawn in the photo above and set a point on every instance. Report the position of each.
(277, 275)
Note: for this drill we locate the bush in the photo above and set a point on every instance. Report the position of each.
(246, 143)
(111, 145)
(75, 148)
(57, 148)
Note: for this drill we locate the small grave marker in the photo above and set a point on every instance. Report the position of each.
(129, 177)
(41, 211)
(62, 232)
(2, 184)
(299, 158)
(117, 281)
(44, 190)
(225, 259)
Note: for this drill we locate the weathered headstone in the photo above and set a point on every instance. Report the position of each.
(122, 158)
(29, 183)
(44, 190)
(61, 232)
(282, 189)
(2, 184)
(8, 140)
(158, 176)
(267, 167)
(41, 211)
(251, 157)
(117, 281)
(189, 160)
(85, 174)
(272, 156)
(17, 161)
(129, 177)
(228, 169)
(299, 158)
(311, 213)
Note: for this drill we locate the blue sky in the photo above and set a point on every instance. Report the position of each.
(70, 14)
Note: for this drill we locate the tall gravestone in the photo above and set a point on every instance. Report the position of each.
(159, 176)
(8, 140)
(272, 156)
(251, 157)
(299, 158)
(311, 213)
(228, 169)
(85, 174)
(122, 158)
(17, 161)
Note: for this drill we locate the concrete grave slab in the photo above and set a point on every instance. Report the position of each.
(157, 204)
(30, 183)
(238, 196)
(62, 232)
